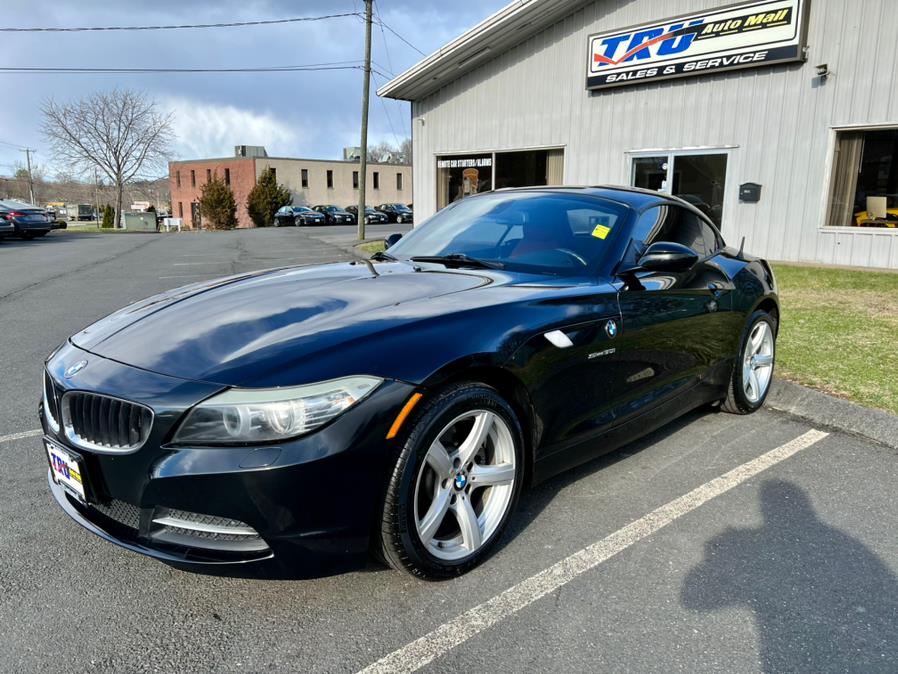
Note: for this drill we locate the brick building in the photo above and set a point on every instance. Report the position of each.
(311, 181)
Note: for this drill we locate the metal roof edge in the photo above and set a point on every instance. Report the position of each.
(505, 18)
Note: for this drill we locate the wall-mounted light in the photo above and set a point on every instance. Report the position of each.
(421, 120)
(823, 71)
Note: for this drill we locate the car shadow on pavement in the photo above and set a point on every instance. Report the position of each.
(821, 599)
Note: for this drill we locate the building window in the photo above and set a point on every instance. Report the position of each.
(330, 179)
(462, 176)
(865, 180)
(399, 182)
(304, 176)
(181, 209)
(192, 178)
(696, 177)
(208, 175)
(227, 176)
(355, 180)
(376, 180)
(178, 179)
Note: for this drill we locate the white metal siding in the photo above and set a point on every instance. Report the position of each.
(779, 120)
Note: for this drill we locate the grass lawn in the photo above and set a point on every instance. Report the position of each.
(840, 332)
(371, 247)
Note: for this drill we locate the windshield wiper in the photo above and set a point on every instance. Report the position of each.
(381, 256)
(459, 260)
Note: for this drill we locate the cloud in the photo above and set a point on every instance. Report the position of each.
(212, 130)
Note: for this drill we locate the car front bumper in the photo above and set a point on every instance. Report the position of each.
(308, 503)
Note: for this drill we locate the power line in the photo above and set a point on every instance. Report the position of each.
(234, 24)
(139, 71)
(389, 118)
(381, 23)
(384, 35)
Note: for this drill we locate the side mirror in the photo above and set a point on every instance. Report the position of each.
(667, 256)
(392, 240)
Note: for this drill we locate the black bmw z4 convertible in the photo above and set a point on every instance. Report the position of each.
(399, 405)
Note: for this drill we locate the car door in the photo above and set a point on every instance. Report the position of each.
(676, 326)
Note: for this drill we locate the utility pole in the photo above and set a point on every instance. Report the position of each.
(28, 152)
(97, 197)
(363, 154)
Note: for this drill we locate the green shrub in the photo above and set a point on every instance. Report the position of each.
(108, 217)
(217, 204)
(265, 198)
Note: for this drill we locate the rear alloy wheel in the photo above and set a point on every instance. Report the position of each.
(455, 484)
(753, 370)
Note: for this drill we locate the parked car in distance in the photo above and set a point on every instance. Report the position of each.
(298, 216)
(372, 216)
(397, 212)
(28, 221)
(334, 215)
(85, 212)
(401, 404)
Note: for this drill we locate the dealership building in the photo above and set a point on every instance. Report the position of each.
(311, 182)
(778, 118)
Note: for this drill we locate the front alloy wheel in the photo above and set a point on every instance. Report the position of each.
(455, 484)
(753, 370)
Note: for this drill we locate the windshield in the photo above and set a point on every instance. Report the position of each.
(540, 232)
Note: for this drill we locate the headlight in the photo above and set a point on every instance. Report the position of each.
(266, 415)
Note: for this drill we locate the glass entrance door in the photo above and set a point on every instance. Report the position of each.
(699, 178)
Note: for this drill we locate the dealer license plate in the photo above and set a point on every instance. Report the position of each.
(66, 470)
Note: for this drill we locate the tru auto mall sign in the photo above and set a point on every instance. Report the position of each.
(740, 36)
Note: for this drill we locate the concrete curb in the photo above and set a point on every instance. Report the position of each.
(825, 410)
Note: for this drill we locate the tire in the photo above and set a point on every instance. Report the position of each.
(297, 222)
(27, 236)
(742, 399)
(399, 219)
(416, 494)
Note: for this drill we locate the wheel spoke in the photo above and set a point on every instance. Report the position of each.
(763, 360)
(746, 376)
(755, 385)
(467, 522)
(435, 515)
(757, 337)
(488, 476)
(483, 424)
(438, 459)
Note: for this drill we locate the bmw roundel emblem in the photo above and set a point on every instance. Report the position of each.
(611, 329)
(75, 369)
(461, 481)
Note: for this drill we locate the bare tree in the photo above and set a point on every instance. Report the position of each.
(120, 132)
(389, 154)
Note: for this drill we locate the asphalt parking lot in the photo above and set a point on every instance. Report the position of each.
(719, 543)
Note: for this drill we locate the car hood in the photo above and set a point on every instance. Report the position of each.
(239, 330)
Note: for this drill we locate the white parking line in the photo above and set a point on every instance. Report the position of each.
(193, 264)
(188, 276)
(19, 436)
(444, 638)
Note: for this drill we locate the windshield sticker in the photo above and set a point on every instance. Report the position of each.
(601, 231)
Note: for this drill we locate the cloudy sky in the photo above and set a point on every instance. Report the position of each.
(309, 114)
